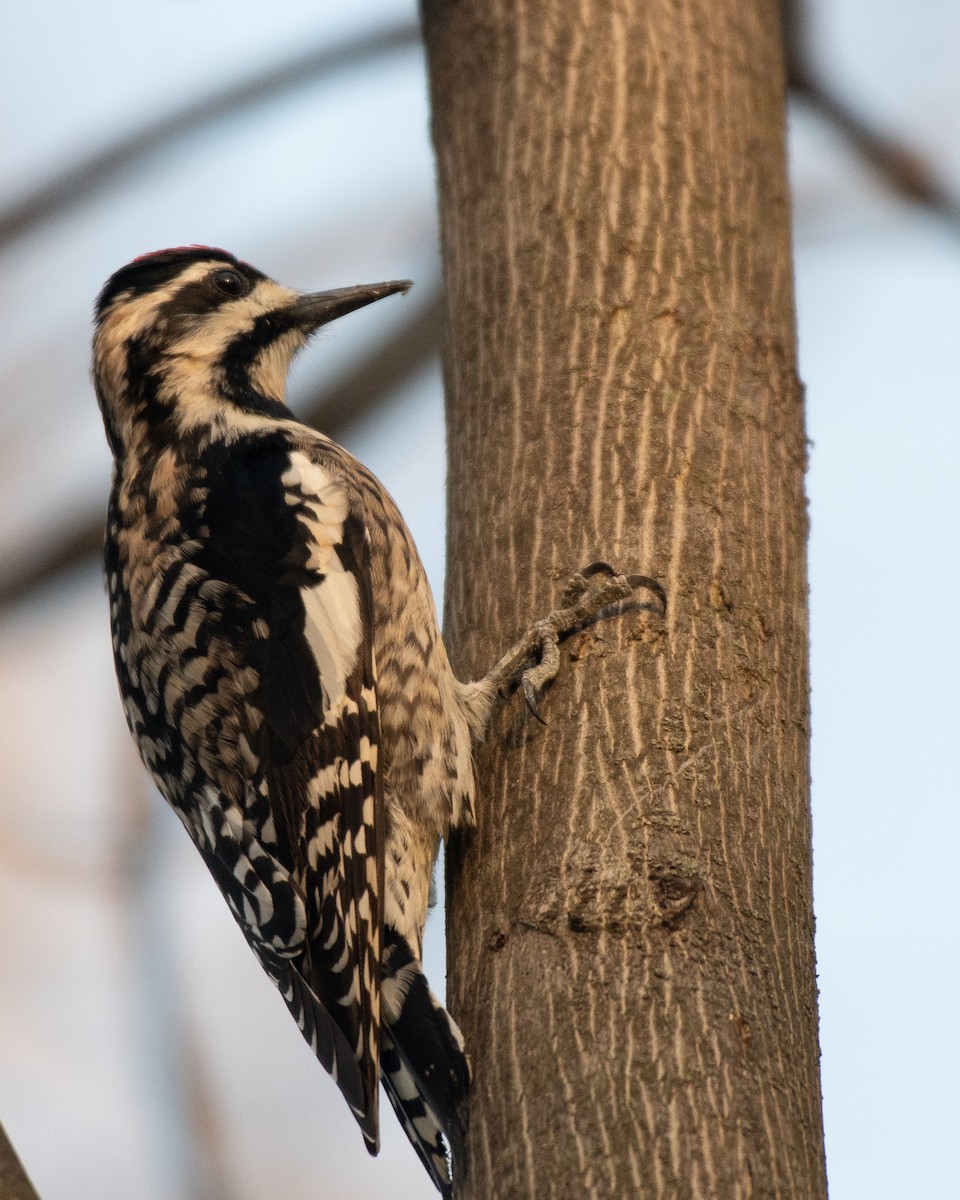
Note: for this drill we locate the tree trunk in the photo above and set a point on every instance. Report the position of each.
(631, 930)
(14, 1183)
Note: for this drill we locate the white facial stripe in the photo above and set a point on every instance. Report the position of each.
(191, 361)
(193, 358)
(207, 342)
(131, 315)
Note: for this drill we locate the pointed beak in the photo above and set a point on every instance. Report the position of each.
(314, 309)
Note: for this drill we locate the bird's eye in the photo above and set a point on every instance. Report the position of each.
(229, 282)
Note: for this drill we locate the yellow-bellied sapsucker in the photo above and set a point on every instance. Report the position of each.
(282, 672)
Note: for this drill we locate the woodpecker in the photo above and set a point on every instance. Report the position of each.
(282, 671)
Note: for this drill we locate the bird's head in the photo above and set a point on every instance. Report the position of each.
(194, 339)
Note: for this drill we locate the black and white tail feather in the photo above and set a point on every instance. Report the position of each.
(423, 1065)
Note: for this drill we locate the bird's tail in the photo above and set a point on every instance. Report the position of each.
(423, 1066)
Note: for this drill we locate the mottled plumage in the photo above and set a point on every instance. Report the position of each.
(282, 671)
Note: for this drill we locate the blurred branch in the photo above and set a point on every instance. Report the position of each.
(388, 365)
(91, 175)
(902, 168)
(14, 1183)
(392, 363)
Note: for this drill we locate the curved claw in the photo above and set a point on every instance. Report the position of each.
(530, 695)
(651, 585)
(598, 568)
(582, 605)
(635, 581)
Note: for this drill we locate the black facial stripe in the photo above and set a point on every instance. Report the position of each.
(195, 299)
(146, 274)
(240, 355)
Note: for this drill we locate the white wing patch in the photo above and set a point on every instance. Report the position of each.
(333, 625)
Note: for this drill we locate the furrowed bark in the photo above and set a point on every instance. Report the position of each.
(631, 931)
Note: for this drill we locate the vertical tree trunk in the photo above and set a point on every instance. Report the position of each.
(14, 1184)
(631, 931)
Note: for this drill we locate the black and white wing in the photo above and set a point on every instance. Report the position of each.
(273, 626)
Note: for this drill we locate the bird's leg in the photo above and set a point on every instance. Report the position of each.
(535, 659)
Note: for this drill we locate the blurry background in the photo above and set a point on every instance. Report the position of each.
(142, 1051)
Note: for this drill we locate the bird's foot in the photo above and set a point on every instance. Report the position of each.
(533, 662)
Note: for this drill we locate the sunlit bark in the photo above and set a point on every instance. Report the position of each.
(631, 930)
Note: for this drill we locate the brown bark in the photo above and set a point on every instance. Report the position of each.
(631, 931)
(14, 1184)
